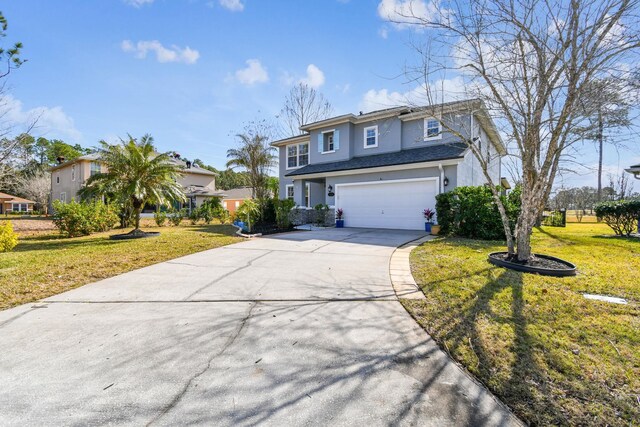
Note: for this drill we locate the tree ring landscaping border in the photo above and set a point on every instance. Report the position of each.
(494, 259)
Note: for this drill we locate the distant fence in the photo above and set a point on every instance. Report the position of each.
(555, 218)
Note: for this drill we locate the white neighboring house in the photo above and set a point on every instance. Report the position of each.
(385, 167)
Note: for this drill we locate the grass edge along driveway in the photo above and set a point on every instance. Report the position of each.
(45, 264)
(553, 356)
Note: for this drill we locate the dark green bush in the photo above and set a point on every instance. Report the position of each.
(471, 212)
(81, 219)
(622, 216)
(283, 210)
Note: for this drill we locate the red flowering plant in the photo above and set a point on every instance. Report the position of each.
(428, 214)
(339, 213)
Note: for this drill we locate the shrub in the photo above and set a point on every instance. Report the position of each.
(175, 216)
(283, 210)
(321, 214)
(222, 215)
(81, 219)
(160, 218)
(8, 237)
(471, 212)
(622, 216)
(268, 213)
(195, 215)
(209, 209)
(554, 219)
(103, 217)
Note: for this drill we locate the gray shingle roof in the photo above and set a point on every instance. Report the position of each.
(404, 157)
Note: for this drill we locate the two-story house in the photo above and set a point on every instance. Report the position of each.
(68, 177)
(385, 167)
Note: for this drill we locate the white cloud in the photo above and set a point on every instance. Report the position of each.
(383, 32)
(253, 73)
(51, 122)
(314, 78)
(163, 54)
(138, 3)
(440, 91)
(406, 13)
(232, 5)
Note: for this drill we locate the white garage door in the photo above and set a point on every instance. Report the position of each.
(387, 204)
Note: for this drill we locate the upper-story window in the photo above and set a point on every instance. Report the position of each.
(327, 142)
(371, 137)
(297, 155)
(432, 128)
(95, 168)
(57, 179)
(73, 172)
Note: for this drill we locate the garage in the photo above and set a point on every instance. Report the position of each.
(387, 204)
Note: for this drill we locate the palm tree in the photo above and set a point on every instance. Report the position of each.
(257, 158)
(136, 175)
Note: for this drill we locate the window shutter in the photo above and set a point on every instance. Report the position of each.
(336, 139)
(320, 143)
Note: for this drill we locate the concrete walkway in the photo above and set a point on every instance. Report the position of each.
(297, 329)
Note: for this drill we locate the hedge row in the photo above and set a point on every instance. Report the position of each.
(472, 212)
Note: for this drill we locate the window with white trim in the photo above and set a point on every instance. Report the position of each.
(95, 168)
(327, 142)
(19, 207)
(73, 172)
(63, 197)
(432, 128)
(289, 193)
(371, 137)
(297, 155)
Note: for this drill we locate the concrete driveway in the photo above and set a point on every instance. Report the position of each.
(298, 329)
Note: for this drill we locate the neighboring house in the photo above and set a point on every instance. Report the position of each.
(385, 167)
(233, 199)
(14, 204)
(68, 177)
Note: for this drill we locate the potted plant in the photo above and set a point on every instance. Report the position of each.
(339, 220)
(428, 219)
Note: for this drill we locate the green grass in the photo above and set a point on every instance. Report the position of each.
(554, 357)
(45, 264)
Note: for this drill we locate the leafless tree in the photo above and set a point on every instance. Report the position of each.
(529, 62)
(622, 187)
(36, 188)
(605, 105)
(303, 105)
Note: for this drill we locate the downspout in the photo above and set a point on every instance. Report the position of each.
(441, 177)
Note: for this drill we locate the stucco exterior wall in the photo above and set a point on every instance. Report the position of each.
(389, 136)
(345, 131)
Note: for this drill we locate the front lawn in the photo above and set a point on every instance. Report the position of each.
(553, 356)
(45, 264)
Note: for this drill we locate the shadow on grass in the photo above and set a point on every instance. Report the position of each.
(525, 385)
(223, 230)
(555, 237)
(58, 242)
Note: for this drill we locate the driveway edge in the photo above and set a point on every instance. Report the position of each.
(404, 285)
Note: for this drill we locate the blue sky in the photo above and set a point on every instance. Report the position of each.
(192, 72)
